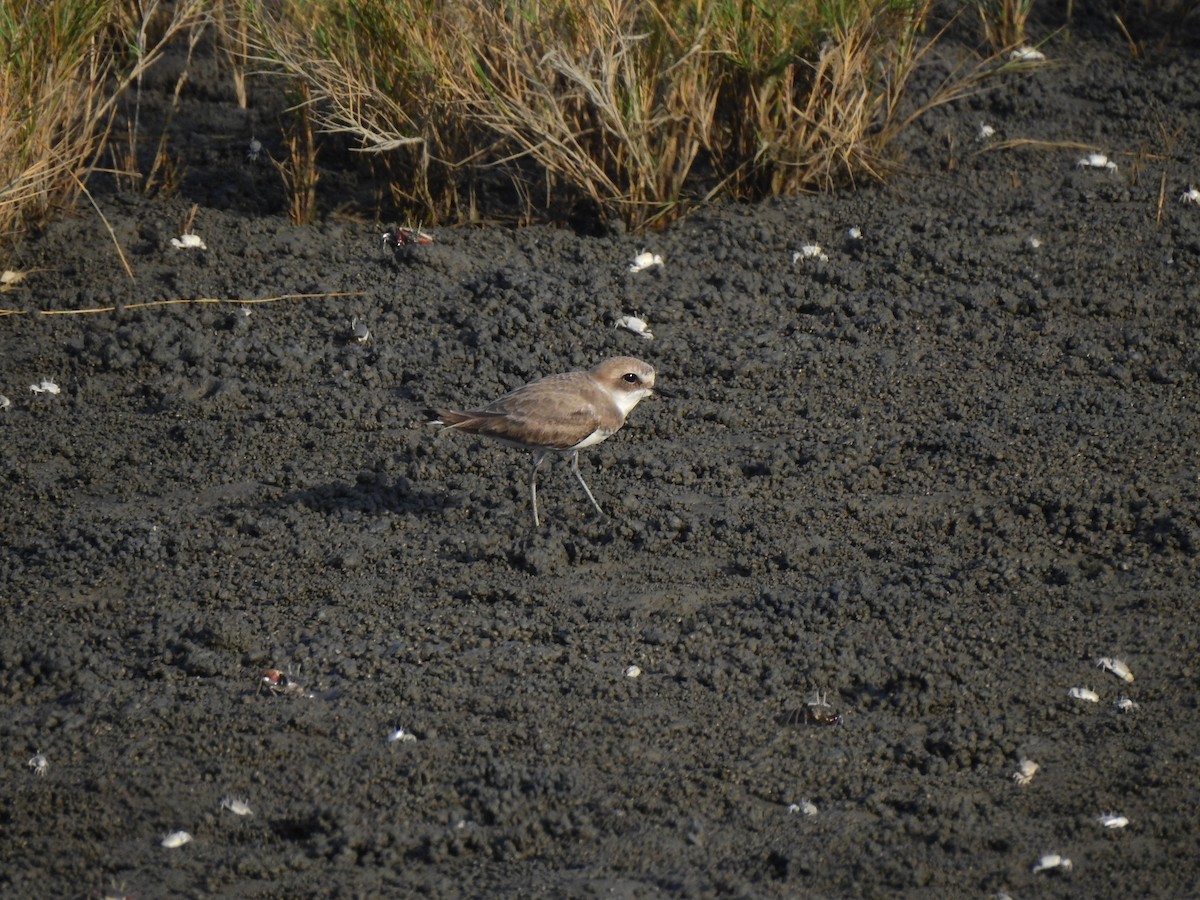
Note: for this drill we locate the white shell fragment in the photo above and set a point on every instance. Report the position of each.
(645, 260)
(1124, 704)
(236, 806)
(632, 671)
(809, 251)
(804, 808)
(1027, 54)
(1116, 666)
(1096, 161)
(39, 764)
(401, 736)
(175, 839)
(1033, 242)
(1191, 195)
(635, 325)
(1112, 820)
(188, 242)
(46, 387)
(1025, 772)
(1052, 861)
(1080, 693)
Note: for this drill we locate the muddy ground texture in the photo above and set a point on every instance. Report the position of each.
(933, 477)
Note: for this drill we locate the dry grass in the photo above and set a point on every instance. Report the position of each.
(53, 109)
(616, 103)
(629, 108)
(804, 116)
(232, 20)
(1004, 22)
(615, 100)
(65, 67)
(369, 69)
(299, 169)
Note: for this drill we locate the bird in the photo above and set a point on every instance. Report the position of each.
(565, 413)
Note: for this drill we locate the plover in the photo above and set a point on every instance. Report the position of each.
(564, 412)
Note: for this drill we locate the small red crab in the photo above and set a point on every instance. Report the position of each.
(406, 237)
(278, 682)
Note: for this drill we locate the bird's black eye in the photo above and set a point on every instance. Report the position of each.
(630, 378)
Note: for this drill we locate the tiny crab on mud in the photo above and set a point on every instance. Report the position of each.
(645, 260)
(403, 241)
(236, 806)
(1025, 772)
(39, 764)
(1117, 666)
(278, 682)
(816, 711)
(1051, 862)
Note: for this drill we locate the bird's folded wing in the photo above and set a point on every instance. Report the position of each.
(529, 421)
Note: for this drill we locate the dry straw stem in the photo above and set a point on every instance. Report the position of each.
(1034, 144)
(189, 301)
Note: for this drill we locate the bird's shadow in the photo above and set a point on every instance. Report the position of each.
(394, 495)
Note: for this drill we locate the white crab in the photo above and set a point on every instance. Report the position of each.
(805, 807)
(236, 806)
(1027, 54)
(1052, 861)
(1096, 161)
(1191, 195)
(39, 764)
(810, 251)
(1116, 666)
(1025, 772)
(635, 325)
(645, 260)
(401, 736)
(189, 242)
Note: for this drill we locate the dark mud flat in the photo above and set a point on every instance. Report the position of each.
(934, 478)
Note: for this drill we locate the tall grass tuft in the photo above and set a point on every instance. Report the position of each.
(54, 112)
(370, 69)
(1004, 21)
(635, 107)
(64, 64)
(614, 100)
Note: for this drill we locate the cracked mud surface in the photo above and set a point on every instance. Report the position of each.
(933, 478)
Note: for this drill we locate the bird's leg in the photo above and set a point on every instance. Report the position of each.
(586, 489)
(537, 461)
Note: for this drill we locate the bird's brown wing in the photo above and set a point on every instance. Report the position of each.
(547, 417)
